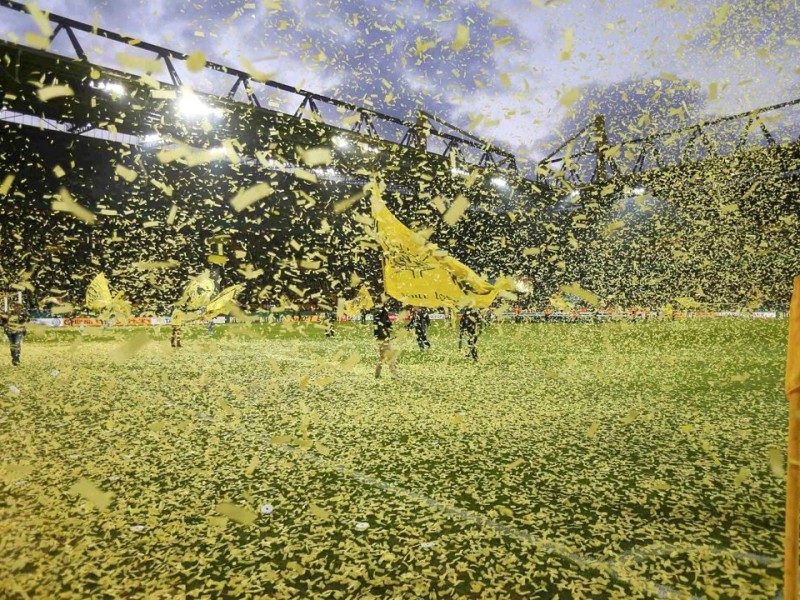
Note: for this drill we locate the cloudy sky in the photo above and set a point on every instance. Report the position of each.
(520, 72)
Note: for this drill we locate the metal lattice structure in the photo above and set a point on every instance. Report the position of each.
(375, 126)
(588, 157)
(146, 114)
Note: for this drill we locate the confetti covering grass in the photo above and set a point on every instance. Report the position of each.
(628, 460)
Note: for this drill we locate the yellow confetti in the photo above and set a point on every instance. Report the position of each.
(569, 36)
(776, 462)
(343, 205)
(305, 175)
(462, 38)
(67, 204)
(456, 210)
(252, 466)
(89, 491)
(196, 61)
(630, 417)
(40, 18)
(255, 73)
(250, 196)
(127, 174)
(34, 40)
(54, 91)
(139, 63)
(316, 156)
(5, 187)
(319, 512)
(570, 97)
(236, 512)
(741, 477)
(515, 464)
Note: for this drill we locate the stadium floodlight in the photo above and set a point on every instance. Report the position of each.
(328, 173)
(639, 191)
(459, 171)
(367, 148)
(524, 285)
(151, 138)
(191, 106)
(500, 182)
(574, 194)
(340, 142)
(110, 87)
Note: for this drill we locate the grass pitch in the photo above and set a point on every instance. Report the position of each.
(618, 460)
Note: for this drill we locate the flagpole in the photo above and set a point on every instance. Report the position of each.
(792, 531)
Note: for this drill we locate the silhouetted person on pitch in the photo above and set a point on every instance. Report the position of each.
(330, 322)
(470, 327)
(420, 320)
(13, 325)
(383, 335)
(175, 339)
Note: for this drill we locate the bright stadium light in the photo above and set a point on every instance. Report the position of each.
(459, 171)
(151, 138)
(110, 87)
(574, 194)
(191, 106)
(639, 191)
(500, 182)
(328, 173)
(341, 142)
(367, 148)
(524, 285)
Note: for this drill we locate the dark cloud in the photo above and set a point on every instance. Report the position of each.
(397, 56)
(636, 107)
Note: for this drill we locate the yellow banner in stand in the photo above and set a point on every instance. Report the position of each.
(417, 273)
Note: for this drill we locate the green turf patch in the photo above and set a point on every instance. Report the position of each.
(573, 461)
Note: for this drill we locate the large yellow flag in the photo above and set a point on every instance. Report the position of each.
(224, 302)
(98, 294)
(100, 300)
(419, 274)
(198, 293)
(361, 302)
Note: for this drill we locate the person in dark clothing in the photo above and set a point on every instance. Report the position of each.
(420, 320)
(383, 335)
(13, 325)
(330, 321)
(470, 326)
(175, 340)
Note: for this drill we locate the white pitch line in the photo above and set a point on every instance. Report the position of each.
(614, 568)
(468, 516)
